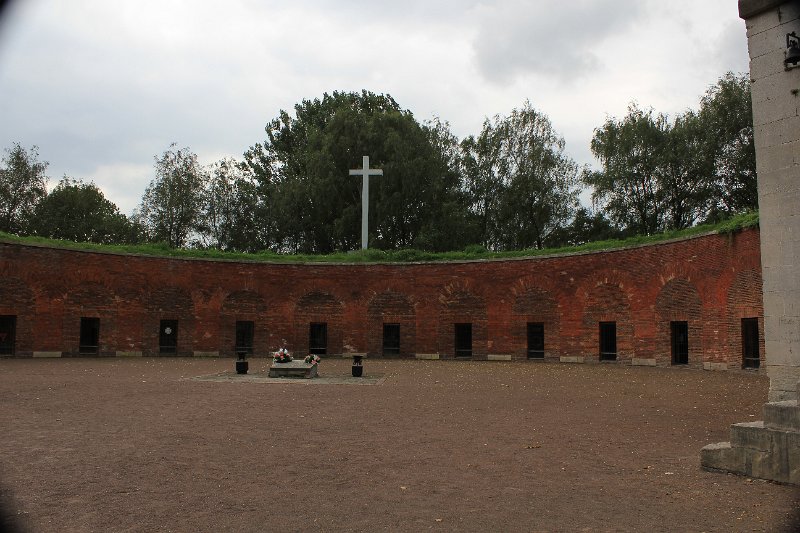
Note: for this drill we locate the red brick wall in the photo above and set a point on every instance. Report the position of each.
(712, 282)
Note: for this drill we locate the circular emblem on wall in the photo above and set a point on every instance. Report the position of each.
(168, 330)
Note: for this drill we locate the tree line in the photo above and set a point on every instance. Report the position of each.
(511, 186)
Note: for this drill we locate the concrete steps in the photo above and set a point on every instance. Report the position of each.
(782, 415)
(768, 449)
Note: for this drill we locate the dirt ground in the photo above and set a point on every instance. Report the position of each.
(135, 445)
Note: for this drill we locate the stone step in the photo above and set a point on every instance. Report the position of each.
(751, 435)
(784, 416)
(756, 451)
(723, 456)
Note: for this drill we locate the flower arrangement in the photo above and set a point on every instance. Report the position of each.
(282, 356)
(311, 359)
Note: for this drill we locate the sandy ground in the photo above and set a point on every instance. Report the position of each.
(137, 445)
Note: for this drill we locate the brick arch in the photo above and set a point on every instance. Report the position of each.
(242, 305)
(612, 277)
(391, 307)
(744, 301)
(90, 296)
(132, 313)
(169, 303)
(678, 300)
(319, 306)
(15, 295)
(534, 304)
(17, 299)
(90, 300)
(607, 302)
(552, 282)
(244, 302)
(459, 304)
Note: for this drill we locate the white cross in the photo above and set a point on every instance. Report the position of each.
(365, 173)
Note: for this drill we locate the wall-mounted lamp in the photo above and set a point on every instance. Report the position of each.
(792, 50)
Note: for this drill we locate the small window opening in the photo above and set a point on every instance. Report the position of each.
(244, 337)
(608, 341)
(89, 342)
(463, 340)
(750, 342)
(391, 339)
(318, 338)
(679, 331)
(168, 337)
(535, 340)
(8, 331)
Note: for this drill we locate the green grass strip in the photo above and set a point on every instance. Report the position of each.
(729, 226)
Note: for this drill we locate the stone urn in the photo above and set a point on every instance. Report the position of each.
(358, 366)
(241, 364)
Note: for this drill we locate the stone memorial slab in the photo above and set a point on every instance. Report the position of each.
(293, 369)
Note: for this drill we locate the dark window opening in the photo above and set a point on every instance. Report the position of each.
(89, 342)
(535, 340)
(679, 332)
(8, 331)
(750, 342)
(608, 341)
(463, 340)
(391, 339)
(168, 337)
(244, 337)
(318, 338)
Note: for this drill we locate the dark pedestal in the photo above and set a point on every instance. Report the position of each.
(358, 368)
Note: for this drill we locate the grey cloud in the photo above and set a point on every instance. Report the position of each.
(97, 98)
(103, 87)
(731, 47)
(547, 37)
(417, 12)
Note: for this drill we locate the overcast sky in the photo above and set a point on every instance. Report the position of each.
(104, 86)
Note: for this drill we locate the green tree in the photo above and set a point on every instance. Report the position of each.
(480, 162)
(313, 205)
(586, 226)
(78, 211)
(523, 186)
(726, 117)
(449, 225)
(172, 203)
(630, 151)
(659, 174)
(685, 173)
(23, 184)
(230, 206)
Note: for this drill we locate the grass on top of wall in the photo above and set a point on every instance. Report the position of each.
(471, 253)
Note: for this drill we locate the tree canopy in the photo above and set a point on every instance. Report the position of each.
(510, 186)
(726, 119)
(659, 174)
(313, 205)
(172, 203)
(228, 218)
(521, 185)
(80, 212)
(23, 184)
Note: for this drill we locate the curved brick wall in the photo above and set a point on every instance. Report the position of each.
(711, 282)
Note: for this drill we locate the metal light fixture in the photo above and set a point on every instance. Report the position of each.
(792, 50)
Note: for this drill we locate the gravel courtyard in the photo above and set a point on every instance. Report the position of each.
(140, 445)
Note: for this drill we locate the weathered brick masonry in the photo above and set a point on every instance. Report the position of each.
(710, 282)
